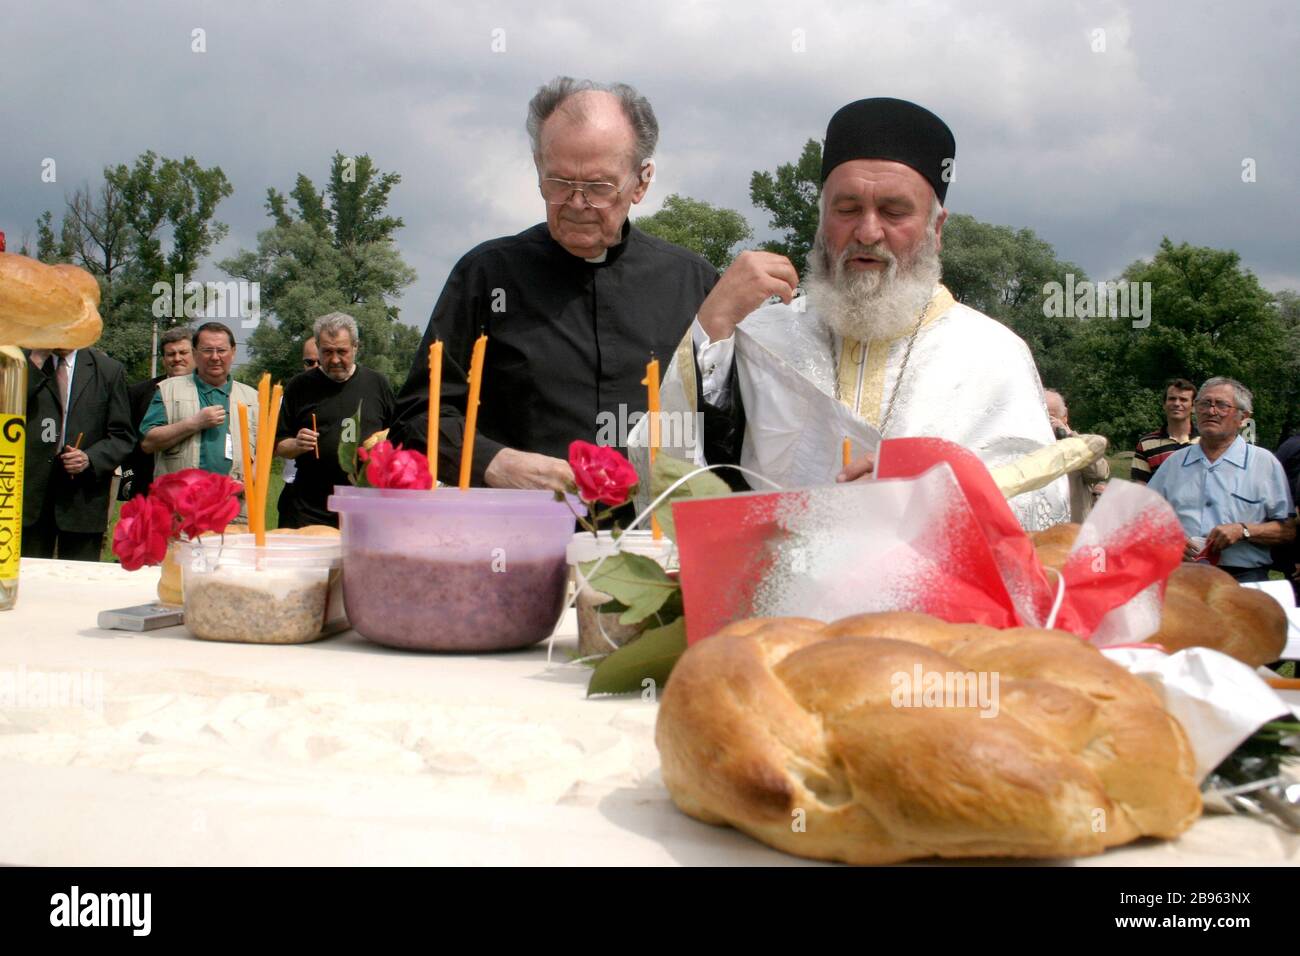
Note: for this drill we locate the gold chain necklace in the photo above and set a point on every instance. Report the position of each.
(898, 381)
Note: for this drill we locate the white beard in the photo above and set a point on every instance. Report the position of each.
(872, 305)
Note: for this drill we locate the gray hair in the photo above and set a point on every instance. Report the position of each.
(555, 94)
(1245, 400)
(181, 333)
(334, 323)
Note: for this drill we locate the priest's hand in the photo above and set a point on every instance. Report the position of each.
(859, 467)
(510, 468)
(748, 283)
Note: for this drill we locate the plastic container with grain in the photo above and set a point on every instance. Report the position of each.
(287, 592)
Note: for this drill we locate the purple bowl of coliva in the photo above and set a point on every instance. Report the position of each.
(451, 570)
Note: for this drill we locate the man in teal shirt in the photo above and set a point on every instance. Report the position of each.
(189, 423)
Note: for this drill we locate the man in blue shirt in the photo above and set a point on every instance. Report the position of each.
(1232, 495)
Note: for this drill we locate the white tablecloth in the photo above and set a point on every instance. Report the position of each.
(183, 751)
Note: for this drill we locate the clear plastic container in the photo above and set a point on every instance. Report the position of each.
(287, 592)
(600, 633)
(452, 570)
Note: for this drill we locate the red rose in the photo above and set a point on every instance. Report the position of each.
(602, 474)
(142, 532)
(201, 500)
(389, 467)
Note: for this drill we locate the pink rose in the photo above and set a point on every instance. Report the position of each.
(602, 474)
(143, 530)
(389, 467)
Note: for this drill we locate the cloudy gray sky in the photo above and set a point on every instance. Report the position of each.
(1100, 151)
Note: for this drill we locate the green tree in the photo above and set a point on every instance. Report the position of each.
(790, 196)
(329, 251)
(143, 224)
(711, 231)
(1287, 304)
(1209, 316)
(1002, 272)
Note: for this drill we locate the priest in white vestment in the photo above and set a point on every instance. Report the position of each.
(877, 347)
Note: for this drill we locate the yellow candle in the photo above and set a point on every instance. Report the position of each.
(247, 459)
(651, 382)
(471, 409)
(435, 407)
(847, 452)
(316, 448)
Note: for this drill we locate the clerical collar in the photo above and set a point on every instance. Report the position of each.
(613, 252)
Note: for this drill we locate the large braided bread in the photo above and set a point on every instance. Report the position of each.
(796, 733)
(1204, 607)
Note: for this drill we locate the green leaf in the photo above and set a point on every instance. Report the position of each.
(348, 449)
(667, 470)
(651, 656)
(635, 581)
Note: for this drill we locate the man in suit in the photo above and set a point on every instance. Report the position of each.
(78, 431)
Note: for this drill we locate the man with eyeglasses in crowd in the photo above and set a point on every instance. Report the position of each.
(1154, 448)
(1231, 497)
(573, 308)
(192, 421)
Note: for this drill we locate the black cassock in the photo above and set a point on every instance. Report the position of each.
(568, 340)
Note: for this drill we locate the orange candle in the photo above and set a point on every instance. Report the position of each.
(256, 510)
(471, 409)
(435, 407)
(847, 452)
(265, 449)
(247, 459)
(651, 382)
(316, 449)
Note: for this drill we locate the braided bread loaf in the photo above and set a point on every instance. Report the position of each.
(1204, 607)
(796, 733)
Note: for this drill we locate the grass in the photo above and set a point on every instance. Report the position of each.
(272, 512)
(1121, 464)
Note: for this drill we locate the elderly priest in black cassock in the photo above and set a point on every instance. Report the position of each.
(573, 308)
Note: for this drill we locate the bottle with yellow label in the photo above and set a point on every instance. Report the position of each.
(13, 424)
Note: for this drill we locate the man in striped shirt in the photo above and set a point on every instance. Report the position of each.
(1178, 432)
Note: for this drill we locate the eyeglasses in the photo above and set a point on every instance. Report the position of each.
(214, 353)
(1205, 405)
(557, 192)
(310, 363)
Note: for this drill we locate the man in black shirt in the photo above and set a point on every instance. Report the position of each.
(331, 392)
(573, 308)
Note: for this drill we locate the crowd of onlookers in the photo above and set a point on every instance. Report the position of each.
(86, 427)
(1235, 500)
